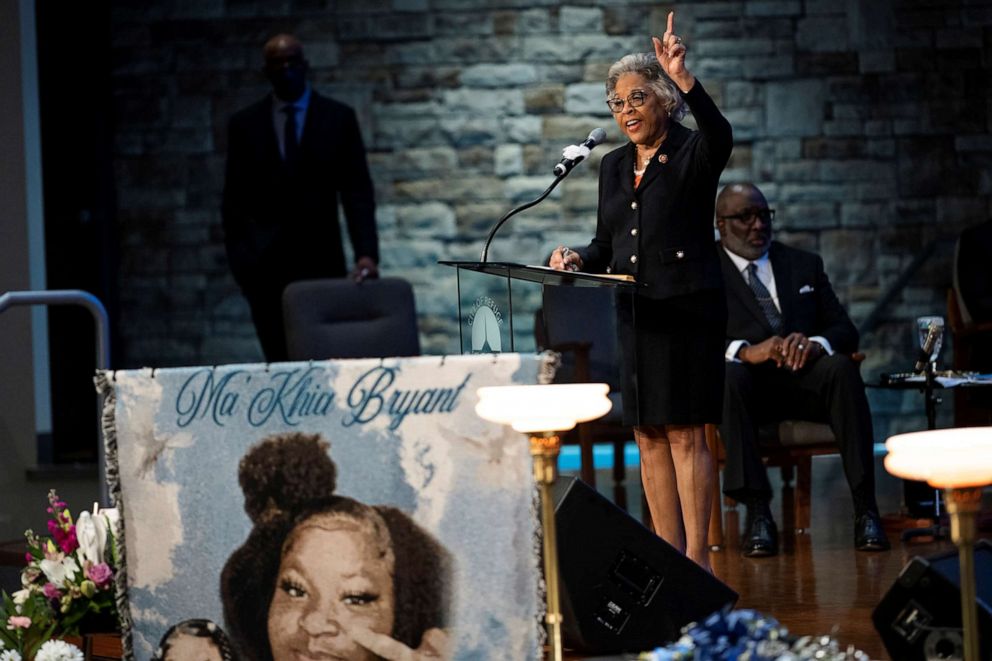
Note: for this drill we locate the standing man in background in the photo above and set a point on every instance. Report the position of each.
(291, 157)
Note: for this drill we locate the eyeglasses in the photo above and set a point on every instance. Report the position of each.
(636, 100)
(748, 216)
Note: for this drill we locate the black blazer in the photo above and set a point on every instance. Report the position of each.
(809, 304)
(280, 225)
(662, 233)
(974, 273)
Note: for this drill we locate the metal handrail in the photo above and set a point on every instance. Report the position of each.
(92, 303)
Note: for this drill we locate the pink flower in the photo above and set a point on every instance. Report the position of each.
(64, 537)
(28, 558)
(51, 591)
(18, 621)
(100, 574)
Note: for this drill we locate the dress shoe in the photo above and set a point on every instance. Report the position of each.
(868, 533)
(760, 538)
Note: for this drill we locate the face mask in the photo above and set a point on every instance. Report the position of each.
(288, 83)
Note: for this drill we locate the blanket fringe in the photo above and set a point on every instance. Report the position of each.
(104, 381)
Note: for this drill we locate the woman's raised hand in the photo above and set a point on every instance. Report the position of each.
(670, 52)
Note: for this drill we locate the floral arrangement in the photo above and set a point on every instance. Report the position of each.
(67, 586)
(51, 650)
(747, 634)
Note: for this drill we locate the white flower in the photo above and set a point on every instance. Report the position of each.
(58, 650)
(10, 655)
(58, 571)
(91, 533)
(20, 596)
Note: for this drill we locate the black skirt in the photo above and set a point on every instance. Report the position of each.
(673, 358)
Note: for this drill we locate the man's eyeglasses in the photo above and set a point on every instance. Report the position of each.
(748, 216)
(636, 100)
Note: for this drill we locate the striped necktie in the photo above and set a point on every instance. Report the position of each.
(765, 301)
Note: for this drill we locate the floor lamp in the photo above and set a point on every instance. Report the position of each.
(541, 412)
(959, 461)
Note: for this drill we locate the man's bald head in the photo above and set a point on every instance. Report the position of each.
(282, 46)
(731, 194)
(285, 66)
(744, 220)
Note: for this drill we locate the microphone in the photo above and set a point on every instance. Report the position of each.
(572, 155)
(933, 336)
(575, 154)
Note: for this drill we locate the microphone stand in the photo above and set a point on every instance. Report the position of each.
(930, 399)
(513, 212)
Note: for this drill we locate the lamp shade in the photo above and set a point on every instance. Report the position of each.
(945, 458)
(554, 407)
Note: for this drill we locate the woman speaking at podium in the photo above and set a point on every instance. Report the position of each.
(655, 222)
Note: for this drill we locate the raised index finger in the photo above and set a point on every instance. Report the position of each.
(382, 645)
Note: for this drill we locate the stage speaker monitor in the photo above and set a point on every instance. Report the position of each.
(624, 589)
(919, 618)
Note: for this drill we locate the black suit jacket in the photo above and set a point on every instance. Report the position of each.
(281, 224)
(667, 222)
(974, 273)
(809, 304)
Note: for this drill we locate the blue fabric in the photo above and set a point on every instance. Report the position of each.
(403, 432)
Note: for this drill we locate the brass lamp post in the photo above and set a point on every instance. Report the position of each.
(541, 412)
(960, 462)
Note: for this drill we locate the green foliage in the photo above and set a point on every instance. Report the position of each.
(26, 640)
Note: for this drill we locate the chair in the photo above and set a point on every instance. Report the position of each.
(789, 445)
(580, 323)
(971, 338)
(972, 407)
(338, 318)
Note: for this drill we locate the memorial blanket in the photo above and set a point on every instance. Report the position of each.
(401, 432)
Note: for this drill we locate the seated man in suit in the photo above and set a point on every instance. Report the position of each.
(973, 350)
(788, 346)
(973, 277)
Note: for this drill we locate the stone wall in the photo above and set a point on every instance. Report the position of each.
(865, 123)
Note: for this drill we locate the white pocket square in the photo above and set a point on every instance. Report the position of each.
(805, 289)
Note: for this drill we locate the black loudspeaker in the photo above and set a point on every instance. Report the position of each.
(919, 618)
(624, 589)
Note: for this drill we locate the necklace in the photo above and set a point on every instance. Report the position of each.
(648, 155)
(646, 160)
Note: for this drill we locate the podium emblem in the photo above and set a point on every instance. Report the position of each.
(485, 321)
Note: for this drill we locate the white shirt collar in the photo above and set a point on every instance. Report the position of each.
(763, 263)
(300, 104)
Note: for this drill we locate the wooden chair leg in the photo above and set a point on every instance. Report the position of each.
(788, 496)
(619, 475)
(788, 472)
(804, 481)
(714, 536)
(587, 466)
